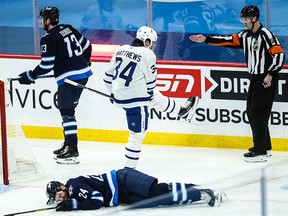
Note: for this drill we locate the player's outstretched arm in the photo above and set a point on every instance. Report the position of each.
(197, 38)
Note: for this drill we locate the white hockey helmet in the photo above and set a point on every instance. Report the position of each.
(145, 33)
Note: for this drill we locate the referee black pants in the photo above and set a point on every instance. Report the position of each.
(259, 106)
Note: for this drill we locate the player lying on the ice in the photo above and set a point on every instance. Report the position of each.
(124, 186)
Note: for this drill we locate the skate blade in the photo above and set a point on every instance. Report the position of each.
(192, 111)
(256, 159)
(223, 195)
(218, 198)
(72, 160)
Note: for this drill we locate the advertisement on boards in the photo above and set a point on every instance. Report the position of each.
(222, 92)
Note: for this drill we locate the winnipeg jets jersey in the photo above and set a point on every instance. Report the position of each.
(65, 51)
(131, 76)
(94, 191)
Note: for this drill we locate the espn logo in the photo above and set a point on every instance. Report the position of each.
(179, 83)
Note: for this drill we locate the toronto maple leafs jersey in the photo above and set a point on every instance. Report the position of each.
(65, 51)
(131, 76)
(94, 191)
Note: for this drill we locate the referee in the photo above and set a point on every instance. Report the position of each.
(264, 57)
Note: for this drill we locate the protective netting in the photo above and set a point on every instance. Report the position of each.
(173, 42)
(22, 164)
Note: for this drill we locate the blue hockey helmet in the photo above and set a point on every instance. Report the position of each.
(51, 189)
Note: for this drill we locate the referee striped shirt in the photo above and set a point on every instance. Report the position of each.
(262, 50)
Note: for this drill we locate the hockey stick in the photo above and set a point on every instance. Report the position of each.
(35, 210)
(17, 78)
(85, 87)
(38, 77)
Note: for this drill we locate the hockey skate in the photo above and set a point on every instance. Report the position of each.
(187, 111)
(68, 156)
(213, 198)
(60, 150)
(269, 152)
(253, 157)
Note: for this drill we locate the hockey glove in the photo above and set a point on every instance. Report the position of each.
(26, 78)
(68, 205)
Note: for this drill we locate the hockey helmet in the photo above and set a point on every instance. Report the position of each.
(250, 11)
(145, 33)
(51, 189)
(52, 13)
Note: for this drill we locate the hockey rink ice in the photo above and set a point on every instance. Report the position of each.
(222, 169)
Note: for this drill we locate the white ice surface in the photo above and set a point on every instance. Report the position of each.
(212, 168)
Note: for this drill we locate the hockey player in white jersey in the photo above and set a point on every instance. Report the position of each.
(131, 79)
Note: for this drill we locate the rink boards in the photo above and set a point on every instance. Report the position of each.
(220, 119)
